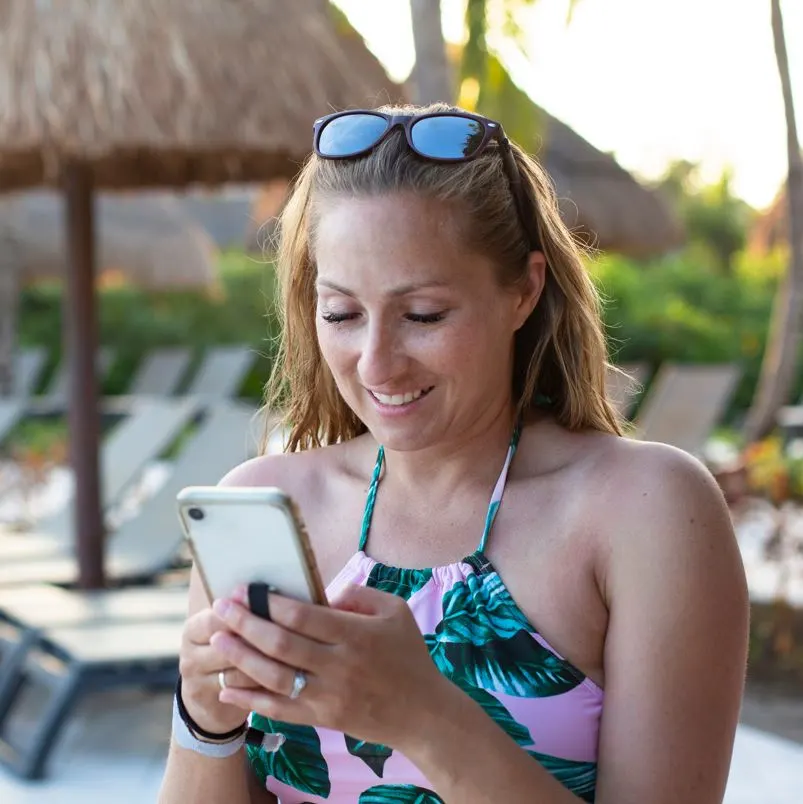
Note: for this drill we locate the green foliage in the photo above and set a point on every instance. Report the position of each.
(133, 321)
(677, 309)
(716, 221)
(38, 435)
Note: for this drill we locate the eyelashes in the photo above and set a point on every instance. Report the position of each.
(416, 318)
(425, 318)
(337, 318)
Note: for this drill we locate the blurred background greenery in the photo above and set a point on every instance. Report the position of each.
(708, 302)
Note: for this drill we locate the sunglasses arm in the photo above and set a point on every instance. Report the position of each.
(514, 176)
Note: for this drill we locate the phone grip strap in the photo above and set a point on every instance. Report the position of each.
(259, 604)
(258, 600)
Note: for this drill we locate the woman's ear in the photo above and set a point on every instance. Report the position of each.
(532, 288)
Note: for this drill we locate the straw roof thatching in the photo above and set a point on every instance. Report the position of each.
(145, 240)
(167, 92)
(601, 200)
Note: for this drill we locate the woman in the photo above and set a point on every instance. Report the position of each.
(442, 346)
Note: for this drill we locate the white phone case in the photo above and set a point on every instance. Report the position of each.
(243, 535)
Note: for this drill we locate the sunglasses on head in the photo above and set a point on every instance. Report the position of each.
(437, 136)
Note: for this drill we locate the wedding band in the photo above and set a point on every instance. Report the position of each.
(299, 682)
(221, 679)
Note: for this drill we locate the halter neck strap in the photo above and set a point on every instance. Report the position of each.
(370, 500)
(493, 506)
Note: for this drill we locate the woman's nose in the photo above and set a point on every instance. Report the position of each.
(382, 356)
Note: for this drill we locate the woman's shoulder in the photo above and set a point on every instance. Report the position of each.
(642, 474)
(637, 496)
(302, 473)
(651, 476)
(656, 508)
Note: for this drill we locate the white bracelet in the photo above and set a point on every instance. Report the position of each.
(186, 739)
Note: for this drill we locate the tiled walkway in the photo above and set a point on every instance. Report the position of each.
(114, 752)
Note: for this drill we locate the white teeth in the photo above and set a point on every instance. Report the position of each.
(398, 399)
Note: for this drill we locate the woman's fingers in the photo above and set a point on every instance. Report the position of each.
(271, 639)
(204, 660)
(201, 626)
(268, 673)
(236, 679)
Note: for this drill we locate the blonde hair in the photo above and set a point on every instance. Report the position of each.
(560, 353)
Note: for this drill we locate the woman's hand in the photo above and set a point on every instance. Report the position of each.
(368, 671)
(199, 665)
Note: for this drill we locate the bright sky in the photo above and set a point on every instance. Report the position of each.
(649, 81)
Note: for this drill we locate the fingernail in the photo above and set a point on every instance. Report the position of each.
(222, 607)
(240, 594)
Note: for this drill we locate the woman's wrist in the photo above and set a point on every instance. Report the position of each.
(203, 726)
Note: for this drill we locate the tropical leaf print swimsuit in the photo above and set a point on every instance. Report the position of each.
(480, 639)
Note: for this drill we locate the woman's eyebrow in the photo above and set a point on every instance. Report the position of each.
(401, 290)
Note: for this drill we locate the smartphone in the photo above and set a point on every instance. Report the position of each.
(245, 535)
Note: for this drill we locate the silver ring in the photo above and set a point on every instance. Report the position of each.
(221, 679)
(299, 682)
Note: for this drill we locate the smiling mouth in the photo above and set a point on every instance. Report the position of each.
(398, 400)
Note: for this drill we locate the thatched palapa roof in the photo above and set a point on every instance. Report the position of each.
(168, 92)
(113, 94)
(604, 203)
(148, 241)
(601, 200)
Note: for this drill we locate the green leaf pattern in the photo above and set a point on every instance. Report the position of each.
(374, 755)
(298, 762)
(497, 711)
(479, 610)
(397, 580)
(484, 641)
(484, 644)
(579, 777)
(399, 794)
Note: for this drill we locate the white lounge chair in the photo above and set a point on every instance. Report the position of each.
(685, 402)
(150, 542)
(132, 444)
(161, 372)
(28, 365)
(221, 373)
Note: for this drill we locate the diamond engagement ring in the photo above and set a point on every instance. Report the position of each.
(299, 682)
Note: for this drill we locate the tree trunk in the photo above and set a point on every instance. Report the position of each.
(781, 353)
(432, 77)
(10, 268)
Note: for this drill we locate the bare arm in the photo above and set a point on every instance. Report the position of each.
(675, 659)
(192, 777)
(676, 649)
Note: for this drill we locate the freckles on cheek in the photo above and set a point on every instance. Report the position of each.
(335, 356)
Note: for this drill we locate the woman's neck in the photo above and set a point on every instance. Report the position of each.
(476, 454)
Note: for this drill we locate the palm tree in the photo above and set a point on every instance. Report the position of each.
(432, 76)
(484, 17)
(781, 353)
(483, 83)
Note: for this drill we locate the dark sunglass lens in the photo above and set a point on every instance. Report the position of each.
(351, 134)
(447, 137)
